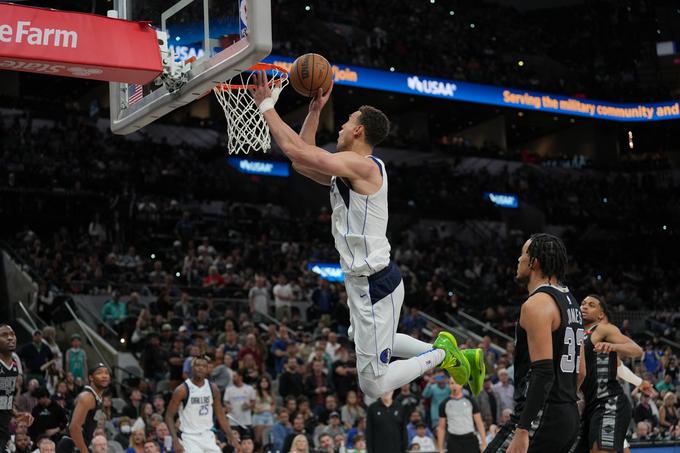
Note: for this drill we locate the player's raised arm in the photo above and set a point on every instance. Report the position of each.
(311, 124)
(218, 410)
(177, 397)
(301, 154)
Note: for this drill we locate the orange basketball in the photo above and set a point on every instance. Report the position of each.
(310, 72)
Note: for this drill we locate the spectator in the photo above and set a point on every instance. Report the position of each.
(505, 390)
(359, 429)
(344, 374)
(213, 279)
(290, 381)
(27, 400)
(643, 431)
(298, 429)
(159, 404)
(332, 346)
(222, 375)
(56, 370)
(300, 444)
(643, 411)
(334, 425)
(114, 311)
(99, 444)
(330, 405)
(665, 385)
(258, 299)
(124, 428)
(323, 299)
(422, 439)
(279, 347)
(185, 228)
(265, 406)
(76, 358)
(651, 359)
(175, 364)
(438, 391)
(414, 418)
(325, 442)
(164, 439)
(668, 412)
(46, 445)
(458, 417)
(49, 417)
(352, 410)
(251, 347)
(151, 447)
(154, 358)
(489, 403)
(22, 443)
(281, 429)
(385, 427)
(317, 385)
(240, 398)
(247, 444)
(137, 440)
(407, 399)
(34, 355)
(283, 297)
(134, 408)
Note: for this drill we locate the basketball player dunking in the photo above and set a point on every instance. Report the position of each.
(199, 400)
(358, 190)
(548, 341)
(88, 402)
(9, 373)
(607, 412)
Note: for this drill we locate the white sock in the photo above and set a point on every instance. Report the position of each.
(407, 347)
(400, 372)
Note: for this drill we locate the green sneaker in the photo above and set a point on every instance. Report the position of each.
(455, 361)
(477, 369)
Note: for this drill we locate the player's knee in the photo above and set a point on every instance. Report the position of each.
(373, 386)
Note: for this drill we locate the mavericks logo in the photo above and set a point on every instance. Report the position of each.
(385, 356)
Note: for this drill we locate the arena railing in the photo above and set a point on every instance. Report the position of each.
(459, 332)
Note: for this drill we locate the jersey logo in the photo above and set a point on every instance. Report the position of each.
(385, 356)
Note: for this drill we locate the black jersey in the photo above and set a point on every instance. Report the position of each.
(567, 340)
(600, 382)
(90, 423)
(9, 372)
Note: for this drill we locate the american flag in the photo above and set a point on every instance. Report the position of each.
(135, 93)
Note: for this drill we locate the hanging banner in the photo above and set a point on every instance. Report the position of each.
(453, 90)
(80, 45)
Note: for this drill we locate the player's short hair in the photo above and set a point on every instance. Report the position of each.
(551, 253)
(376, 125)
(603, 305)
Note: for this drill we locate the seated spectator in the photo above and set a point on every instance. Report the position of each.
(415, 417)
(265, 406)
(281, 429)
(334, 425)
(151, 447)
(505, 389)
(665, 385)
(426, 442)
(668, 412)
(325, 444)
(358, 430)
(643, 411)
(137, 440)
(49, 418)
(124, 430)
(300, 444)
(240, 398)
(643, 431)
(114, 311)
(291, 381)
(23, 443)
(298, 429)
(352, 410)
(99, 444)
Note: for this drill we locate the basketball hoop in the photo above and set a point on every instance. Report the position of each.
(246, 128)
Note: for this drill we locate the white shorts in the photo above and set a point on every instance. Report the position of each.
(200, 443)
(374, 307)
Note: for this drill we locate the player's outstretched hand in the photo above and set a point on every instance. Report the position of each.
(25, 417)
(604, 347)
(261, 90)
(319, 101)
(648, 389)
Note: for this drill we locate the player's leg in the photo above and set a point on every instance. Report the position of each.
(557, 429)
(209, 443)
(611, 425)
(406, 346)
(502, 440)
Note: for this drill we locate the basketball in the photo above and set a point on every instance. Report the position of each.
(310, 72)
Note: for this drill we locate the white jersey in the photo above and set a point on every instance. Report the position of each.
(359, 226)
(196, 414)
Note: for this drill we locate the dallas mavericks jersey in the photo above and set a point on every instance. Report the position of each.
(359, 226)
(601, 382)
(196, 415)
(566, 340)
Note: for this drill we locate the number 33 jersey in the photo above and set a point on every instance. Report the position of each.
(196, 415)
(566, 345)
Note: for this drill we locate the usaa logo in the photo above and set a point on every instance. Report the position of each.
(385, 355)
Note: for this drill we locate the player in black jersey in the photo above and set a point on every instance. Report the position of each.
(9, 373)
(607, 412)
(548, 341)
(87, 403)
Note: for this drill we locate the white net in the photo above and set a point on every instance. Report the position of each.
(246, 128)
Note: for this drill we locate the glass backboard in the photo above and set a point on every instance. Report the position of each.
(224, 37)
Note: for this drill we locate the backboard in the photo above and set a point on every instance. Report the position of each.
(224, 36)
